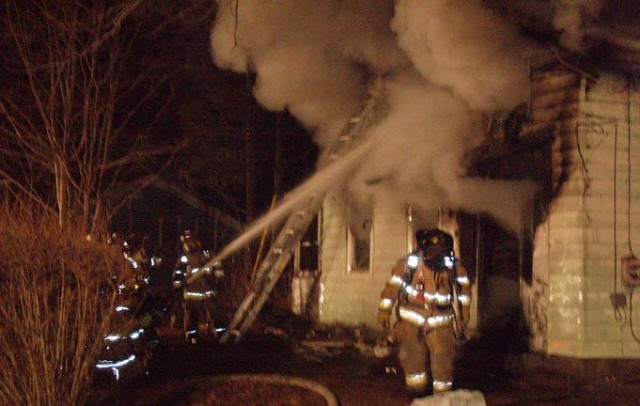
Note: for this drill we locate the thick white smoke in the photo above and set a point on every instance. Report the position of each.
(572, 19)
(446, 62)
(465, 47)
(313, 58)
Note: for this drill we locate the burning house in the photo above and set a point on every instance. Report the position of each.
(572, 268)
(515, 134)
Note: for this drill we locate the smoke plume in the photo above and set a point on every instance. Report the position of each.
(572, 19)
(445, 63)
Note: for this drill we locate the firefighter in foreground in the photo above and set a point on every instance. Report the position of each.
(431, 295)
(199, 292)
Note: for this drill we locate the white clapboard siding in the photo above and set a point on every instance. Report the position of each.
(352, 298)
(583, 246)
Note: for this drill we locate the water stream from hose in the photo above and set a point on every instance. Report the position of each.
(323, 181)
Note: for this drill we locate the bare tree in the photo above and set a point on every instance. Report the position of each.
(78, 103)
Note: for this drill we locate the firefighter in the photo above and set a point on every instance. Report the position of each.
(116, 243)
(178, 277)
(198, 291)
(132, 271)
(431, 294)
(133, 280)
(135, 253)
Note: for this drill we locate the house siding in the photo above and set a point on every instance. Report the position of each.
(352, 298)
(589, 224)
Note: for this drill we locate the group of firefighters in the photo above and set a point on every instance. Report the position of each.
(194, 283)
(428, 297)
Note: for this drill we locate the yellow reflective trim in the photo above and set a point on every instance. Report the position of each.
(438, 298)
(412, 261)
(411, 291)
(442, 386)
(440, 320)
(385, 304)
(418, 380)
(412, 316)
(395, 280)
(443, 299)
(463, 280)
(190, 295)
(464, 300)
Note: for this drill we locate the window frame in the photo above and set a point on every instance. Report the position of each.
(351, 252)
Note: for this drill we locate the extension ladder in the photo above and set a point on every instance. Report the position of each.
(285, 244)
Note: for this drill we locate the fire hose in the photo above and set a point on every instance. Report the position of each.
(316, 387)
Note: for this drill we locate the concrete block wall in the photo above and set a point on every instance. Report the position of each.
(592, 224)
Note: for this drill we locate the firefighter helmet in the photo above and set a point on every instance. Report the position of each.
(186, 235)
(190, 244)
(434, 240)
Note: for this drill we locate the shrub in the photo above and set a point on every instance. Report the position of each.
(55, 302)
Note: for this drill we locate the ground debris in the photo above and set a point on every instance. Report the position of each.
(331, 341)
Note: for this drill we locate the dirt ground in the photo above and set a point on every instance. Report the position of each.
(181, 374)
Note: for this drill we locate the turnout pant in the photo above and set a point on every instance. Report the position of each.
(197, 313)
(423, 351)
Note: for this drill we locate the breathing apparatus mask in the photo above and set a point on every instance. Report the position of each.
(437, 248)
